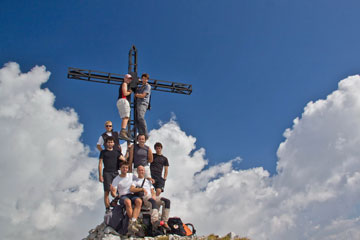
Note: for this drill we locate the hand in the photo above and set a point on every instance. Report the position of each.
(145, 192)
(101, 179)
(112, 188)
(152, 180)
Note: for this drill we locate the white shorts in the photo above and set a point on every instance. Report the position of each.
(123, 107)
(147, 172)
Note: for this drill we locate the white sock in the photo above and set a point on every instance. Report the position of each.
(133, 219)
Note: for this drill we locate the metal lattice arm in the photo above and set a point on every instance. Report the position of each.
(117, 79)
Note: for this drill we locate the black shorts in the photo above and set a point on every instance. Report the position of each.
(159, 183)
(108, 178)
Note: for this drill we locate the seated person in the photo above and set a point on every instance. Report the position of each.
(121, 185)
(141, 184)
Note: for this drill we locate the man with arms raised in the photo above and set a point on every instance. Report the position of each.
(122, 184)
(111, 160)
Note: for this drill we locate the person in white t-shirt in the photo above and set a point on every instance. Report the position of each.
(121, 187)
(141, 184)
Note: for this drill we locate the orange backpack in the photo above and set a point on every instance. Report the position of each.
(188, 231)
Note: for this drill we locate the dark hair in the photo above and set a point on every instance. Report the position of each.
(137, 138)
(145, 75)
(110, 139)
(124, 163)
(158, 145)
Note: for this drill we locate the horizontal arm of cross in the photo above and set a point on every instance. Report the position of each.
(117, 79)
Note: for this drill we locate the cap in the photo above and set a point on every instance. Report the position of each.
(128, 76)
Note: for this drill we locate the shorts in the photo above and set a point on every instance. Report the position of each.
(159, 183)
(130, 196)
(123, 107)
(147, 172)
(108, 178)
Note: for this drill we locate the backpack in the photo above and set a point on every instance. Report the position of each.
(117, 219)
(188, 231)
(148, 229)
(176, 226)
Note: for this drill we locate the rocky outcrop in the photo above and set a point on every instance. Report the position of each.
(103, 232)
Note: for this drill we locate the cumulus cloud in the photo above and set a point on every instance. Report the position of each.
(48, 189)
(45, 169)
(314, 194)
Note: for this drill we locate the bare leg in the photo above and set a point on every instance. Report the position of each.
(158, 192)
(106, 199)
(124, 122)
(129, 210)
(137, 208)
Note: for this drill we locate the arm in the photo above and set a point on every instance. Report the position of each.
(101, 179)
(131, 157)
(141, 95)
(121, 158)
(150, 156)
(166, 170)
(113, 190)
(153, 193)
(124, 90)
(99, 147)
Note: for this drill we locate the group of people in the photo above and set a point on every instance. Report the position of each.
(142, 98)
(140, 171)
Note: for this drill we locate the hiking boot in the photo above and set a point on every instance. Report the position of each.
(132, 227)
(138, 224)
(124, 135)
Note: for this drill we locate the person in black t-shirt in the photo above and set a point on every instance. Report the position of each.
(159, 163)
(111, 159)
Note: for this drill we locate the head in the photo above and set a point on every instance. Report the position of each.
(141, 171)
(127, 78)
(108, 126)
(110, 142)
(141, 139)
(145, 78)
(158, 148)
(124, 168)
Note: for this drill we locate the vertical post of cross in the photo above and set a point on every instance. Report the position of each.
(132, 70)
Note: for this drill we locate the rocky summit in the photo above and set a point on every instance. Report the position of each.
(103, 232)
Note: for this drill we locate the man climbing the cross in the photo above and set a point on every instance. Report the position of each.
(142, 103)
(123, 106)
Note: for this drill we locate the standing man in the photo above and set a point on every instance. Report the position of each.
(142, 103)
(108, 133)
(123, 106)
(159, 163)
(141, 155)
(121, 184)
(111, 160)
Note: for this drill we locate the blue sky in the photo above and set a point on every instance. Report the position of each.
(253, 64)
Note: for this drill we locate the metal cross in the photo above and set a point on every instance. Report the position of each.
(117, 79)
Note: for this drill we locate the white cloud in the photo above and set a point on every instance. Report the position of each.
(48, 190)
(45, 168)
